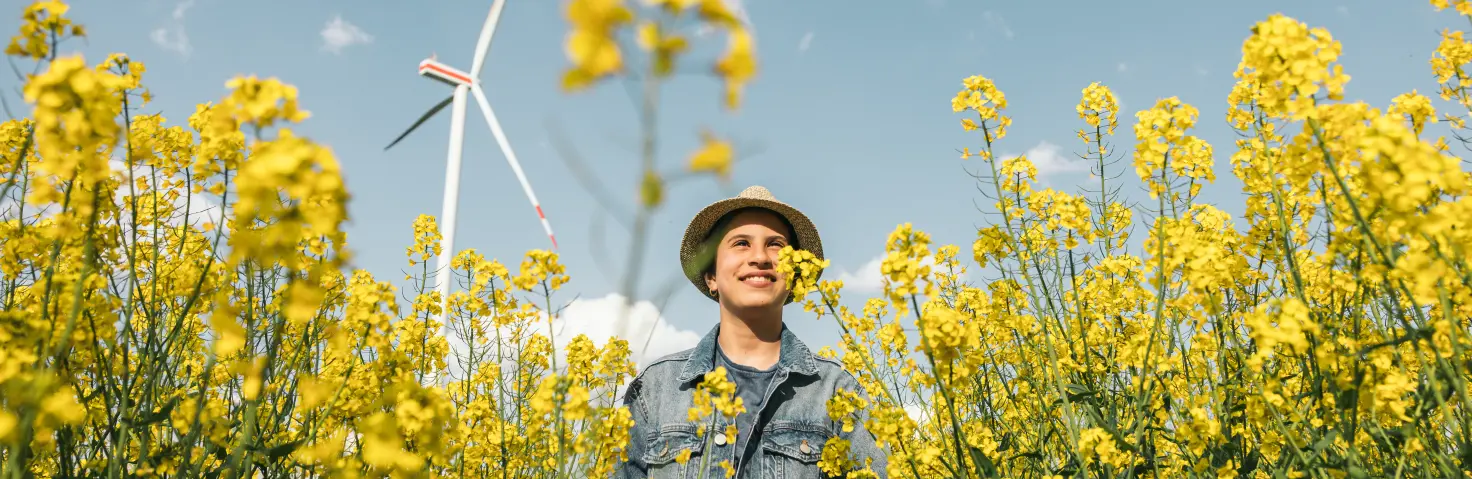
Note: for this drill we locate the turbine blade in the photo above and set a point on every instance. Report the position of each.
(483, 44)
(485, 109)
(422, 119)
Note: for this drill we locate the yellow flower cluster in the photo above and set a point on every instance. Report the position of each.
(186, 315)
(1291, 63)
(1401, 173)
(1164, 152)
(590, 44)
(541, 267)
(426, 240)
(714, 395)
(1212, 337)
(1098, 109)
(1416, 107)
(75, 123)
(42, 24)
(1322, 333)
(947, 334)
(1448, 64)
(595, 54)
(801, 269)
(982, 97)
(902, 269)
(1097, 445)
(1463, 7)
(1061, 211)
(714, 156)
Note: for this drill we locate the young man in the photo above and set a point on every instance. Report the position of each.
(730, 254)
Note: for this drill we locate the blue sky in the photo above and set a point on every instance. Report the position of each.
(848, 119)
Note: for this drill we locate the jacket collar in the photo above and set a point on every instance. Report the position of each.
(795, 356)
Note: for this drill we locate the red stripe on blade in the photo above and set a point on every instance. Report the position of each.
(449, 73)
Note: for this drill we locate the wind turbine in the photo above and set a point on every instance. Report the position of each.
(466, 82)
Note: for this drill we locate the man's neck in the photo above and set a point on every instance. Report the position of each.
(753, 340)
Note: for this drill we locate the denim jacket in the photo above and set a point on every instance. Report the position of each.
(794, 418)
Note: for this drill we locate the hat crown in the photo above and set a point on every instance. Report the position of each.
(757, 192)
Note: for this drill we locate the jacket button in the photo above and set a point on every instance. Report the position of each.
(804, 448)
(721, 439)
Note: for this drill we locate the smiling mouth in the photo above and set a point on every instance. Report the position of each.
(759, 279)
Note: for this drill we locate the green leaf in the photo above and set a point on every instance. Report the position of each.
(988, 468)
(282, 450)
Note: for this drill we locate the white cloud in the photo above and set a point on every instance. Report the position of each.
(917, 413)
(181, 8)
(807, 41)
(996, 22)
(1201, 71)
(1049, 159)
(338, 34)
(597, 319)
(869, 278)
(1342, 9)
(172, 37)
(1121, 67)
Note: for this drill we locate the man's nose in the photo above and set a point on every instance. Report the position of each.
(760, 257)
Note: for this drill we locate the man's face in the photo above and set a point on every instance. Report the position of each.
(745, 274)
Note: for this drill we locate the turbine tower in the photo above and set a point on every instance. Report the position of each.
(466, 83)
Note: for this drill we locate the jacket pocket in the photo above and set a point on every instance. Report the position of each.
(792, 449)
(669, 441)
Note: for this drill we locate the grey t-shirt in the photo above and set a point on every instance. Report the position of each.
(751, 387)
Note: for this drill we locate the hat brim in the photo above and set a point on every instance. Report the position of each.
(696, 255)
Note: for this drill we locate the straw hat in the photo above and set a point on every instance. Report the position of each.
(695, 259)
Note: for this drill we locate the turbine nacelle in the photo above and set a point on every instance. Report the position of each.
(452, 76)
